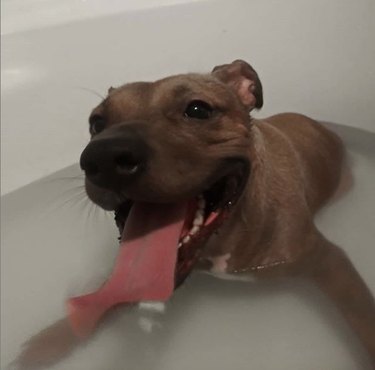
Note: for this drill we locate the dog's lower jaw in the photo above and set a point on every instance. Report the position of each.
(104, 198)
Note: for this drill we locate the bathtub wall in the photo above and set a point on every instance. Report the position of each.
(314, 57)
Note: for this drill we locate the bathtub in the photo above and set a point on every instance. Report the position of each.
(59, 58)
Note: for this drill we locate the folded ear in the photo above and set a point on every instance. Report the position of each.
(244, 80)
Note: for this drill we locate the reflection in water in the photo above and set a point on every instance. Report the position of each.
(48, 347)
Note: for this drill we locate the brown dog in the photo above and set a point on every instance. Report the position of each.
(256, 183)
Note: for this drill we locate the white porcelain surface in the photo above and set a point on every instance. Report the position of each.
(55, 244)
(23, 15)
(314, 57)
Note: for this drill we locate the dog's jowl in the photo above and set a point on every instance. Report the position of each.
(196, 182)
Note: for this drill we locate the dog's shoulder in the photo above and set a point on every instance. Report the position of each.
(300, 145)
(301, 129)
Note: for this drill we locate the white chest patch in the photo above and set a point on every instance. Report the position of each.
(219, 263)
(219, 270)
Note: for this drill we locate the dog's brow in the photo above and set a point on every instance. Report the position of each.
(181, 89)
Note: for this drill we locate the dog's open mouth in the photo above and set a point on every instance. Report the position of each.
(160, 244)
(194, 222)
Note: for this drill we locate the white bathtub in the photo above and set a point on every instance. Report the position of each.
(313, 57)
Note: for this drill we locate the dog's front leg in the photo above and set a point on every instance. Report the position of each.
(336, 276)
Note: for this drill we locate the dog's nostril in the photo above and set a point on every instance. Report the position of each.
(126, 163)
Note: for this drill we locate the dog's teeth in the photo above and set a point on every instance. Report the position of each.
(194, 230)
(198, 220)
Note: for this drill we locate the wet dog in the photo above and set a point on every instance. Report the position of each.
(251, 186)
(247, 189)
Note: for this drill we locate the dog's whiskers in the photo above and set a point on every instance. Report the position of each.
(80, 189)
(78, 197)
(92, 92)
(91, 211)
(79, 177)
(86, 208)
(69, 178)
(73, 200)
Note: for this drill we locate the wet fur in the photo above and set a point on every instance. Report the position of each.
(296, 168)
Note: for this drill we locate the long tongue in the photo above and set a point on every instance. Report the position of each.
(144, 268)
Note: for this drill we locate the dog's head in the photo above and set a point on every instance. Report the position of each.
(181, 139)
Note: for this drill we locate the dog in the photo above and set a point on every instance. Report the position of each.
(252, 185)
(248, 188)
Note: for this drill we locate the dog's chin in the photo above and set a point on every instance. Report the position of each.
(106, 199)
(206, 211)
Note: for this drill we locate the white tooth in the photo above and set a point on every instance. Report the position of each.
(198, 220)
(186, 239)
(194, 230)
(179, 245)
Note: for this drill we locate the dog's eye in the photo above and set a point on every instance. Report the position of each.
(198, 109)
(97, 124)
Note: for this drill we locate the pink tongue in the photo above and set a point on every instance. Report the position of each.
(145, 266)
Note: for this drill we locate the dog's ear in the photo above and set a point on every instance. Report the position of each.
(244, 80)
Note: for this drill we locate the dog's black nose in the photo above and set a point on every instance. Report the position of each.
(111, 162)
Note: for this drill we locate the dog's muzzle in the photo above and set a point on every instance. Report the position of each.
(110, 161)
